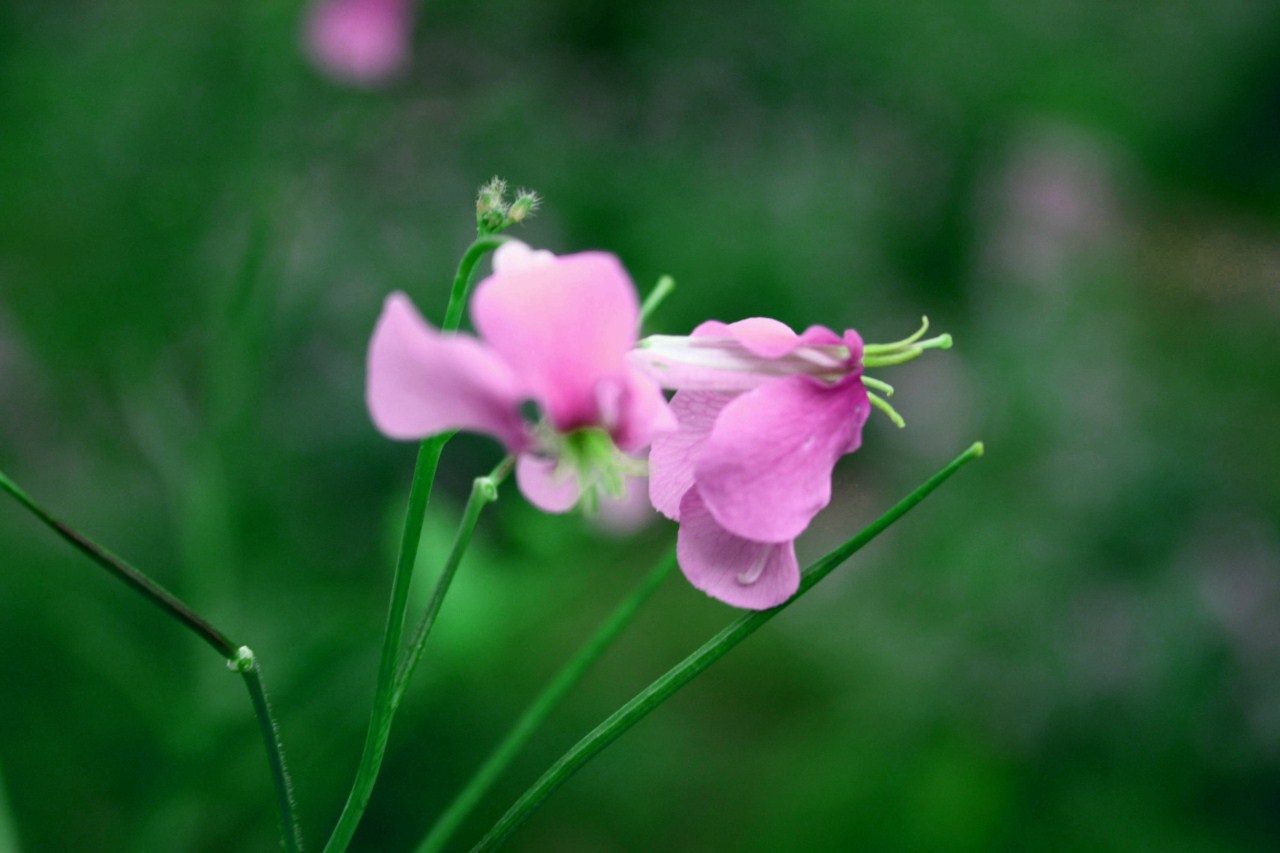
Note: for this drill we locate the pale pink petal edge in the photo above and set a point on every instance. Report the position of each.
(715, 560)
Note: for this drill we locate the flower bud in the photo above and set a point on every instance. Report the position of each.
(491, 206)
(523, 207)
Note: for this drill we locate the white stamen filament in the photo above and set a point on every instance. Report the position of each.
(755, 570)
(723, 358)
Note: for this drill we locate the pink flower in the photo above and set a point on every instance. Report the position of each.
(553, 330)
(764, 416)
(360, 41)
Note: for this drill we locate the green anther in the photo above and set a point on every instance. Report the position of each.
(613, 482)
(590, 456)
(892, 358)
(881, 404)
(660, 291)
(911, 353)
(897, 346)
(589, 503)
(588, 447)
(883, 387)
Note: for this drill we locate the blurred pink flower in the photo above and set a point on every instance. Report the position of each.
(624, 514)
(360, 41)
(764, 415)
(553, 330)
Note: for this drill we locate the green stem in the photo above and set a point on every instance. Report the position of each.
(684, 672)
(239, 658)
(152, 591)
(462, 279)
(8, 826)
(246, 663)
(484, 491)
(536, 714)
(424, 472)
(375, 743)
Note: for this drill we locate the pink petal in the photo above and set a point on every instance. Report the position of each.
(672, 457)
(360, 41)
(765, 470)
(563, 326)
(513, 256)
(766, 337)
(634, 411)
(853, 341)
(737, 571)
(742, 356)
(720, 370)
(421, 382)
(628, 512)
(546, 485)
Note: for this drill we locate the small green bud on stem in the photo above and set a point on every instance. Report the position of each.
(494, 214)
(525, 205)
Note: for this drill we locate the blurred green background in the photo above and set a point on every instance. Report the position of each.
(1074, 645)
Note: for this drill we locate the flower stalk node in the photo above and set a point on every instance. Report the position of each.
(485, 488)
(243, 661)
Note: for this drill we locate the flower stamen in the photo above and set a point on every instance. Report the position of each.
(883, 405)
(660, 292)
(896, 346)
(883, 387)
(886, 357)
(725, 355)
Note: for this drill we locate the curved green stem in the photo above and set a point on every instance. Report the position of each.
(462, 279)
(240, 658)
(424, 472)
(536, 714)
(484, 491)
(711, 651)
(379, 731)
